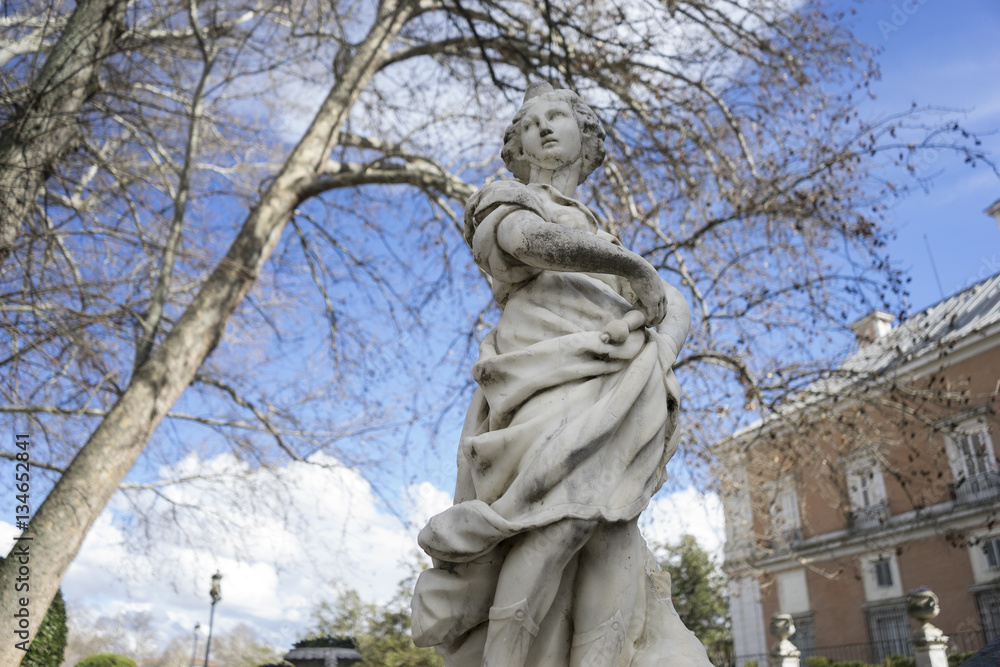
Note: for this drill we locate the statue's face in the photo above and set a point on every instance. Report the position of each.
(550, 134)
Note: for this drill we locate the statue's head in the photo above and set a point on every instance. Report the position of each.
(591, 131)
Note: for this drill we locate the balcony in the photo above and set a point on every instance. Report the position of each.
(977, 488)
(869, 518)
(788, 539)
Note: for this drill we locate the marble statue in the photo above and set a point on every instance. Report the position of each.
(540, 561)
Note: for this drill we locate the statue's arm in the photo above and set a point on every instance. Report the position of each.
(553, 247)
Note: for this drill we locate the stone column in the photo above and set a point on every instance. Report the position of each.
(784, 653)
(930, 645)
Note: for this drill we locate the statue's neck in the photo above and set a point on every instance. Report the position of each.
(565, 179)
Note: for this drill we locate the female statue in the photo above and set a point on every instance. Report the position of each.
(540, 561)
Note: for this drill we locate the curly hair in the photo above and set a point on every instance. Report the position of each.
(591, 131)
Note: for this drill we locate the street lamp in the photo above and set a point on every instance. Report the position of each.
(194, 649)
(216, 594)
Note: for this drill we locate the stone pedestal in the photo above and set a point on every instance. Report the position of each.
(930, 646)
(784, 653)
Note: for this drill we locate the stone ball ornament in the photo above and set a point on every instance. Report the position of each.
(922, 604)
(782, 626)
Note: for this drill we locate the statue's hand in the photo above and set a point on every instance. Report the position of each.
(651, 297)
(618, 330)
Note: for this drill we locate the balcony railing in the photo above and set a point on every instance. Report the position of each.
(976, 488)
(789, 538)
(870, 517)
(869, 653)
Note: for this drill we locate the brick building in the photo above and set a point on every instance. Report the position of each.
(882, 478)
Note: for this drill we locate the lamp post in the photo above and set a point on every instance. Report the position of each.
(194, 649)
(216, 594)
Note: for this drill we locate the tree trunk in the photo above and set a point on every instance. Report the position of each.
(64, 518)
(41, 132)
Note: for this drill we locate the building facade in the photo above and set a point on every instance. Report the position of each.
(881, 479)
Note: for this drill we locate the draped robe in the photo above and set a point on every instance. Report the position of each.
(562, 426)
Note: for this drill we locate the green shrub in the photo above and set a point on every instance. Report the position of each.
(817, 661)
(49, 645)
(326, 641)
(106, 660)
(900, 661)
(752, 663)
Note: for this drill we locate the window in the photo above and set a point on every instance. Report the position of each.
(989, 611)
(866, 491)
(991, 549)
(976, 451)
(973, 463)
(984, 555)
(880, 576)
(862, 482)
(883, 573)
(804, 638)
(889, 630)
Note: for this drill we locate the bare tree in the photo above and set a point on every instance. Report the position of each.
(241, 647)
(41, 127)
(177, 653)
(738, 165)
(129, 633)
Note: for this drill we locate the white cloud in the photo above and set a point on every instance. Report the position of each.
(686, 512)
(283, 540)
(424, 500)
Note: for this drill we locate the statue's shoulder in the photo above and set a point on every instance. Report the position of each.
(495, 194)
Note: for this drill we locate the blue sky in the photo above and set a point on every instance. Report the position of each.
(943, 54)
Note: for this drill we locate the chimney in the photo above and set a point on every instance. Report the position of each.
(873, 326)
(994, 210)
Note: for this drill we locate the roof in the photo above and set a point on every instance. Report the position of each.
(950, 320)
(974, 310)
